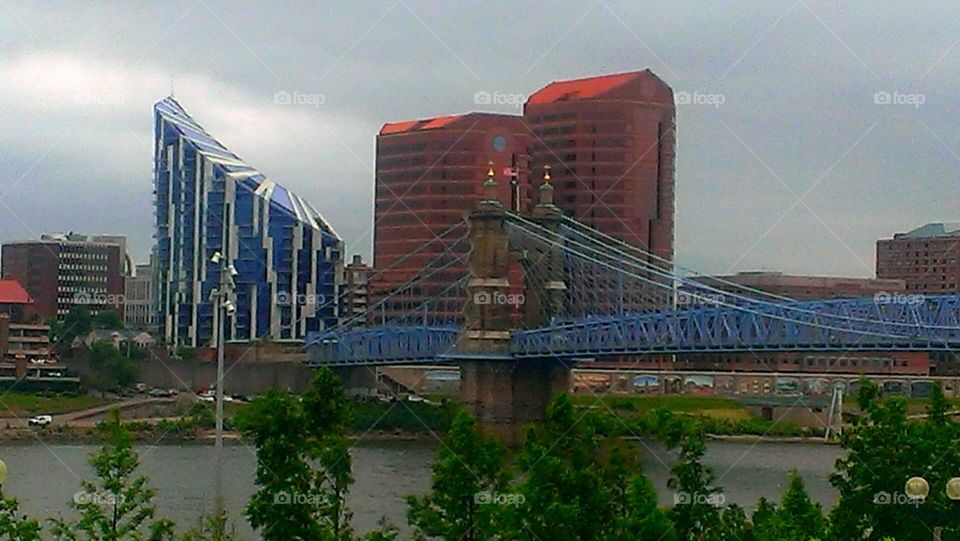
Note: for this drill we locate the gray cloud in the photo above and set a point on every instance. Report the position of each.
(797, 79)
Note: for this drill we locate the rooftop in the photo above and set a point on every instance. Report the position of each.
(932, 230)
(587, 87)
(11, 292)
(247, 176)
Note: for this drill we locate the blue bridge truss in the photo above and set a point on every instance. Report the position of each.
(864, 324)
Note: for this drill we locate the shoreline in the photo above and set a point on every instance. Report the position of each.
(62, 435)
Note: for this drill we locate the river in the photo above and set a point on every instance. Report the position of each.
(46, 477)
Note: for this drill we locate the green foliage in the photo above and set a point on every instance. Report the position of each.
(119, 506)
(885, 450)
(369, 415)
(212, 527)
(16, 528)
(111, 369)
(107, 319)
(467, 474)
(797, 518)
(303, 463)
(695, 514)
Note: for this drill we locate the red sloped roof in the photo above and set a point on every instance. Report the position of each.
(417, 125)
(11, 292)
(581, 88)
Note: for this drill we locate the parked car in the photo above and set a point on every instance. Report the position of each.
(160, 393)
(140, 387)
(40, 420)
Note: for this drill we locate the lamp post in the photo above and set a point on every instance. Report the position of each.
(3, 476)
(225, 307)
(918, 488)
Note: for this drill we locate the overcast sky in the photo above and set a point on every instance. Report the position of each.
(785, 160)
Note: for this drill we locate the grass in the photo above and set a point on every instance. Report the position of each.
(707, 406)
(27, 405)
(717, 415)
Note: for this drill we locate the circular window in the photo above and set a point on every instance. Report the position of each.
(499, 143)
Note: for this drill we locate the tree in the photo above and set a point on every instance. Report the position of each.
(696, 512)
(110, 368)
(883, 452)
(303, 463)
(467, 478)
(797, 518)
(108, 319)
(642, 518)
(16, 528)
(119, 506)
(279, 509)
(212, 528)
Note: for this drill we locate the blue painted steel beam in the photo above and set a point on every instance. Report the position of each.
(932, 324)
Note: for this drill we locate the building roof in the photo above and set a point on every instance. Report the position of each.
(586, 88)
(419, 125)
(11, 292)
(278, 196)
(931, 230)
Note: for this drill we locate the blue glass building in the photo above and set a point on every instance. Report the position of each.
(208, 200)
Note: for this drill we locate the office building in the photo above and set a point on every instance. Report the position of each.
(209, 201)
(926, 258)
(140, 304)
(61, 271)
(429, 175)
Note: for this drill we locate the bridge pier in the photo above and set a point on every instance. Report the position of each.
(506, 394)
(357, 380)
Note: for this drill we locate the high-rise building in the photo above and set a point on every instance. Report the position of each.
(354, 292)
(140, 304)
(429, 175)
(61, 271)
(609, 141)
(926, 258)
(286, 256)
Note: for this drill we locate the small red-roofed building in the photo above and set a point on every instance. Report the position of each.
(15, 302)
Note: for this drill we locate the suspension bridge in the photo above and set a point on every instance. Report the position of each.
(540, 291)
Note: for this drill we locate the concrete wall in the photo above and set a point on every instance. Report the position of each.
(242, 377)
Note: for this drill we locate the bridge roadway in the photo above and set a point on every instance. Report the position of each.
(864, 324)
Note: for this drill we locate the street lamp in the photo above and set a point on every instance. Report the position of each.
(225, 306)
(3, 476)
(918, 488)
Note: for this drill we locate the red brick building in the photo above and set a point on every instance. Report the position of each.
(62, 271)
(927, 258)
(800, 288)
(428, 177)
(610, 141)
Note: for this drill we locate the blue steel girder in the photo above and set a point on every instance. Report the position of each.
(380, 345)
(840, 325)
(928, 323)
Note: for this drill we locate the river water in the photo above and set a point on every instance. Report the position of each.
(45, 477)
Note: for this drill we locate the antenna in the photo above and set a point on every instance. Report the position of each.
(171, 85)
